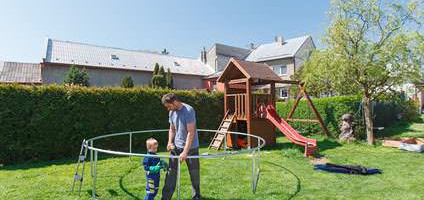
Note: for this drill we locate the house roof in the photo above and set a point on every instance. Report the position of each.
(73, 53)
(250, 70)
(231, 51)
(272, 51)
(14, 72)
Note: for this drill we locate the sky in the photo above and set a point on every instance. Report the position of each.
(184, 27)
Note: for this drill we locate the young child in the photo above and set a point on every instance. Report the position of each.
(152, 167)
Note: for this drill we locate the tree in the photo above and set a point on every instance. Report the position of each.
(127, 82)
(156, 69)
(370, 49)
(76, 76)
(159, 79)
(169, 79)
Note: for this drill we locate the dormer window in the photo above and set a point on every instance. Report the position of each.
(114, 57)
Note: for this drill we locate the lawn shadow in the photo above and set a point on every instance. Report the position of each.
(327, 144)
(399, 128)
(40, 164)
(121, 185)
(298, 184)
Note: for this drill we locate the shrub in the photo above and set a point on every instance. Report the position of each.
(49, 122)
(127, 82)
(76, 76)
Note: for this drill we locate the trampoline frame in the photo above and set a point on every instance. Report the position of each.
(255, 152)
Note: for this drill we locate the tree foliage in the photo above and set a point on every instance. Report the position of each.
(169, 79)
(372, 47)
(76, 76)
(127, 82)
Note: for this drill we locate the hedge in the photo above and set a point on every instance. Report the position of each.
(385, 112)
(49, 122)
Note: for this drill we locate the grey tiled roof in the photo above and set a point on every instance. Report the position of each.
(274, 50)
(14, 72)
(231, 51)
(65, 52)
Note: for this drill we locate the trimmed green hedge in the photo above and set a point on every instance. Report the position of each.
(331, 109)
(49, 122)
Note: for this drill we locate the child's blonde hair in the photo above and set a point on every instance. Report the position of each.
(150, 142)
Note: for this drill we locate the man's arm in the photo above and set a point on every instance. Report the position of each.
(171, 136)
(190, 137)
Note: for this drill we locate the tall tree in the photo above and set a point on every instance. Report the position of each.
(76, 76)
(158, 78)
(369, 50)
(169, 79)
(156, 69)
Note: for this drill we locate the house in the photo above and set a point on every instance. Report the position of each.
(285, 57)
(21, 73)
(107, 66)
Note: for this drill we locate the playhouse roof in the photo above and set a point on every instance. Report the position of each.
(237, 69)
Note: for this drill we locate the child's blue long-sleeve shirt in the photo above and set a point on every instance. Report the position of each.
(150, 161)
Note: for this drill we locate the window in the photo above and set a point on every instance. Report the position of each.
(280, 70)
(283, 92)
(114, 57)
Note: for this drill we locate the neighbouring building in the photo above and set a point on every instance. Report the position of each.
(107, 66)
(21, 73)
(285, 57)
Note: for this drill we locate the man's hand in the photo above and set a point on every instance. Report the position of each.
(183, 156)
(170, 147)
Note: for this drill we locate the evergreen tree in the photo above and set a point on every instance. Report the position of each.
(156, 69)
(159, 78)
(76, 76)
(127, 82)
(169, 79)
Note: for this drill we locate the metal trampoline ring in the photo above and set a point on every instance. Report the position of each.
(255, 151)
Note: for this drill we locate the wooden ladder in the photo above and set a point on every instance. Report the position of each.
(223, 129)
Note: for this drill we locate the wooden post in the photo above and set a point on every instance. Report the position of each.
(272, 92)
(248, 111)
(298, 97)
(225, 97)
(314, 110)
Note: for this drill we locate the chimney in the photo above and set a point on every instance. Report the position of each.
(279, 40)
(203, 55)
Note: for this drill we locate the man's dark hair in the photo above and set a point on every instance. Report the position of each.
(169, 98)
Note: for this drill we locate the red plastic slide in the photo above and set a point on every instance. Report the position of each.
(309, 144)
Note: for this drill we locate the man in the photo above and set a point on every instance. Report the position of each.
(183, 141)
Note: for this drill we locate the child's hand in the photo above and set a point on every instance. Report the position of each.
(154, 169)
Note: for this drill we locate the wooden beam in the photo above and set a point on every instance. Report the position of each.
(272, 92)
(226, 97)
(248, 112)
(303, 120)
(237, 86)
(314, 110)
(293, 108)
(237, 81)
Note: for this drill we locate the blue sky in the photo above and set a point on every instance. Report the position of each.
(183, 27)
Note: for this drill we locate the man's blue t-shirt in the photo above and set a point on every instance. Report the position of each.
(180, 118)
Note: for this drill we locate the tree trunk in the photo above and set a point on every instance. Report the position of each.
(369, 126)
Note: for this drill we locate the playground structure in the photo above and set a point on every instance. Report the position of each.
(88, 146)
(248, 108)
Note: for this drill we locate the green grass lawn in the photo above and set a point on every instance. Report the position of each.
(406, 129)
(285, 174)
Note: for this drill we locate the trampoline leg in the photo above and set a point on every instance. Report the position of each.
(91, 159)
(93, 191)
(253, 171)
(179, 179)
(130, 146)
